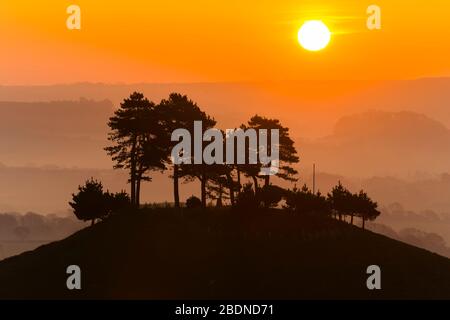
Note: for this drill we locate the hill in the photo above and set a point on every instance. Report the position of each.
(163, 254)
(382, 143)
(308, 110)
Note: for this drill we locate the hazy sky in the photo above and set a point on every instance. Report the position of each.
(222, 40)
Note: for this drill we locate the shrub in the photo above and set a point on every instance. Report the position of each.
(271, 195)
(118, 203)
(193, 203)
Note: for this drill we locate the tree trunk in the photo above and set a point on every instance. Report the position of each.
(232, 196)
(219, 200)
(133, 175)
(351, 220)
(239, 179)
(92, 222)
(133, 187)
(138, 191)
(364, 223)
(203, 190)
(266, 184)
(176, 193)
(231, 187)
(255, 182)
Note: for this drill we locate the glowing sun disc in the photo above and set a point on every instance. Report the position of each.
(314, 35)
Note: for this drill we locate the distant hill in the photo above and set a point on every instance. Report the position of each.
(218, 254)
(301, 105)
(418, 238)
(409, 133)
(20, 233)
(363, 144)
(382, 143)
(391, 128)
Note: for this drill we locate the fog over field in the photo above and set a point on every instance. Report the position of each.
(52, 140)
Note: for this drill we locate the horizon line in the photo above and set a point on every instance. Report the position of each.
(219, 82)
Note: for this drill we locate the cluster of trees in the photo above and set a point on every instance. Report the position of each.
(340, 203)
(141, 143)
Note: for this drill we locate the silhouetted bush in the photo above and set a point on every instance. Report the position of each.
(193, 203)
(118, 203)
(271, 195)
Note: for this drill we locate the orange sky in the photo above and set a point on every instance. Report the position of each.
(221, 40)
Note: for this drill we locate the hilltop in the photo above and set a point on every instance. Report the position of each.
(165, 254)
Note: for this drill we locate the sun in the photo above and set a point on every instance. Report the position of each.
(314, 35)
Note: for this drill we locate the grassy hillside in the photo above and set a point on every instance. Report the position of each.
(159, 254)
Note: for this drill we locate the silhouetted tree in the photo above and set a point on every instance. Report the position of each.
(179, 112)
(250, 171)
(233, 185)
(366, 208)
(90, 202)
(303, 201)
(354, 206)
(287, 152)
(152, 156)
(221, 184)
(341, 200)
(137, 134)
(223, 174)
(203, 173)
(247, 200)
(216, 188)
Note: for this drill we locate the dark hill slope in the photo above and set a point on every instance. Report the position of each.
(163, 254)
